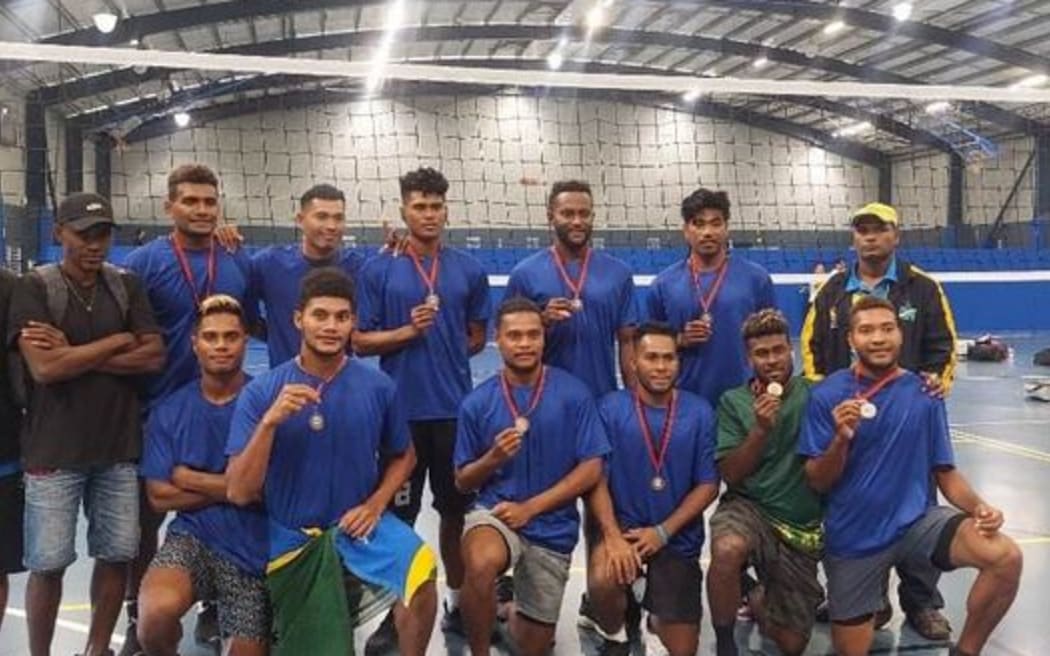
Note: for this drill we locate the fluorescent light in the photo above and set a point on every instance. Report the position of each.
(182, 119)
(395, 17)
(711, 72)
(691, 96)
(105, 21)
(133, 42)
(834, 26)
(1036, 80)
(760, 62)
(595, 17)
(938, 107)
(902, 11)
(555, 60)
(853, 130)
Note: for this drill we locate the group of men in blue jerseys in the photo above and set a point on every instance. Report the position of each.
(294, 493)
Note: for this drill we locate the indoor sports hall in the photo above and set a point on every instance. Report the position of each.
(801, 110)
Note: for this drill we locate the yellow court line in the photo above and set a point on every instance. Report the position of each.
(74, 607)
(1000, 445)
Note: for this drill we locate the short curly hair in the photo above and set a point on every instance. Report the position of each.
(764, 323)
(425, 180)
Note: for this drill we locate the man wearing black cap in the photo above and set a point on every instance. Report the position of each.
(928, 348)
(85, 329)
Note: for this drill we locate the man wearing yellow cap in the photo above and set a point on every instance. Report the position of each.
(928, 348)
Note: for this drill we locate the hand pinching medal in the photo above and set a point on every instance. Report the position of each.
(521, 419)
(432, 299)
(868, 409)
(575, 286)
(658, 483)
(707, 299)
(316, 420)
(775, 389)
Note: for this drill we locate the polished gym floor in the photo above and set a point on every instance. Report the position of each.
(1002, 444)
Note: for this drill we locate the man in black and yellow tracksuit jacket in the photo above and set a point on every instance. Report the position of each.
(925, 317)
(928, 348)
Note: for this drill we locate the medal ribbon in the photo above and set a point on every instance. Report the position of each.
(429, 279)
(324, 381)
(657, 459)
(534, 400)
(886, 379)
(575, 286)
(187, 272)
(707, 300)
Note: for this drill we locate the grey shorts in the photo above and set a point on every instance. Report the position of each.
(789, 575)
(242, 599)
(857, 586)
(540, 574)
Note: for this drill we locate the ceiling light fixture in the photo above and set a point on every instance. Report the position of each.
(595, 17)
(1036, 80)
(105, 21)
(395, 17)
(854, 130)
(691, 96)
(761, 62)
(555, 60)
(182, 119)
(938, 107)
(902, 11)
(833, 27)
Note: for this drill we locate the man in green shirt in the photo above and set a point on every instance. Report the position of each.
(768, 518)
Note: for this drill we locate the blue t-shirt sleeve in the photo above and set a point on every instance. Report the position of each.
(704, 468)
(629, 313)
(369, 296)
(591, 440)
(135, 261)
(252, 404)
(395, 438)
(158, 458)
(941, 452)
(479, 305)
(516, 285)
(468, 438)
(656, 310)
(250, 301)
(818, 428)
(766, 297)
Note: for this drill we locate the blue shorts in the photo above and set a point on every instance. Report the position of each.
(110, 496)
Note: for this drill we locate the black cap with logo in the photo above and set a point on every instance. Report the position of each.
(81, 211)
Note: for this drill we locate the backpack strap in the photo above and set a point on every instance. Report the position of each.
(114, 277)
(58, 293)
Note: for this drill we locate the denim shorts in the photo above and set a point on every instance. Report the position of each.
(111, 504)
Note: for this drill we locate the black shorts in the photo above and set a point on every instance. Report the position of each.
(12, 523)
(435, 441)
(673, 586)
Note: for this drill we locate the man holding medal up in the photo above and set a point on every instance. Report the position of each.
(587, 295)
(707, 297)
(530, 443)
(424, 313)
(322, 441)
(769, 517)
(873, 437)
(661, 476)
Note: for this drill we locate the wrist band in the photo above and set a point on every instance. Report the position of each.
(662, 532)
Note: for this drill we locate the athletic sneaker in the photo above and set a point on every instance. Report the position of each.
(384, 640)
(206, 631)
(930, 624)
(452, 620)
(131, 645)
(632, 619)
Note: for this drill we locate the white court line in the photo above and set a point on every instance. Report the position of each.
(76, 627)
(1004, 422)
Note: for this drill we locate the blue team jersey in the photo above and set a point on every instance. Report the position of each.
(886, 484)
(564, 431)
(276, 274)
(585, 344)
(187, 429)
(175, 307)
(711, 368)
(690, 461)
(316, 476)
(432, 372)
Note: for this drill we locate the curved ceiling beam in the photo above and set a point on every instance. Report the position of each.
(189, 17)
(150, 107)
(886, 23)
(106, 82)
(849, 150)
